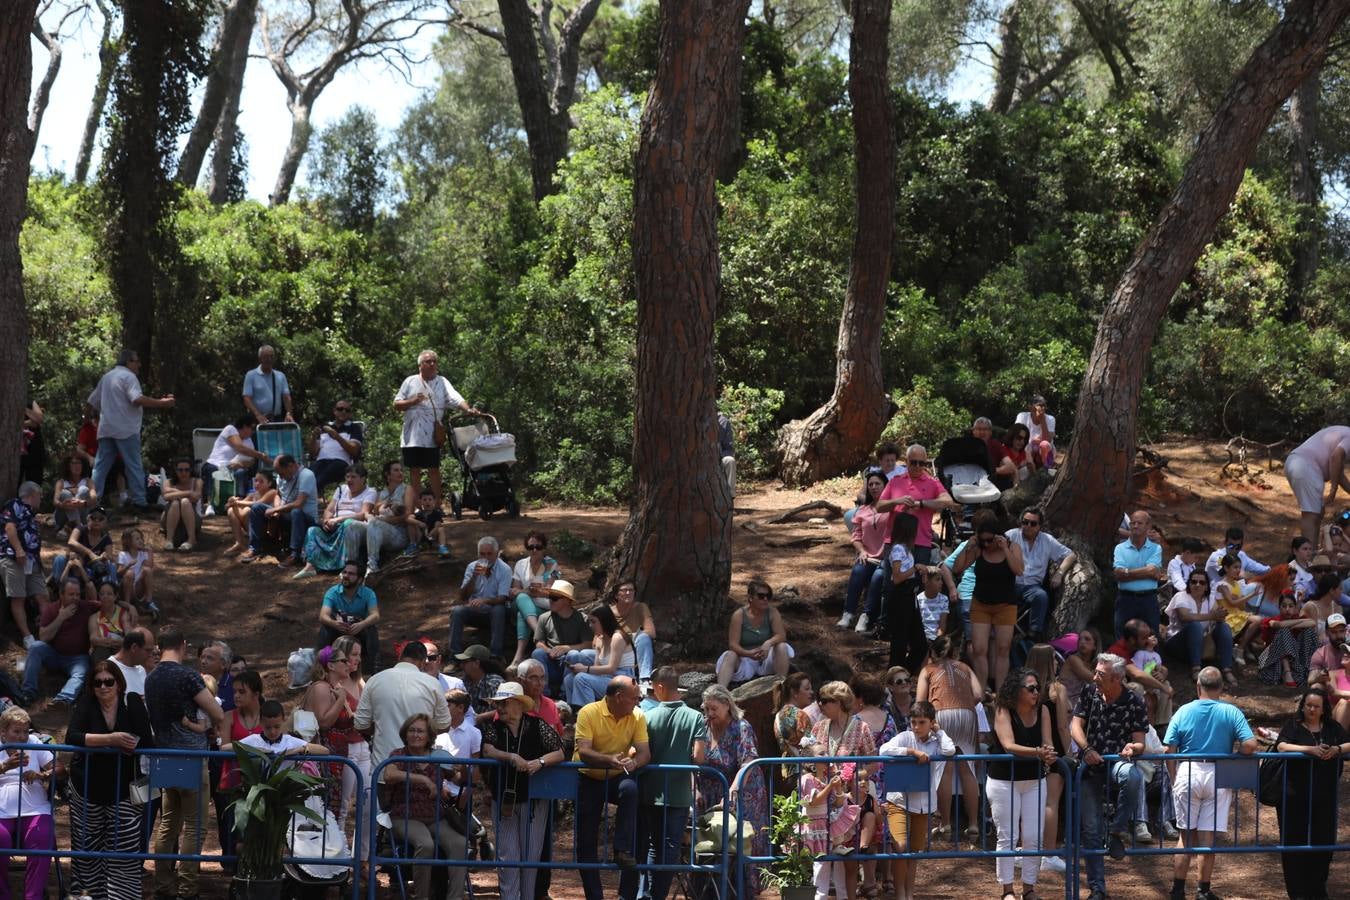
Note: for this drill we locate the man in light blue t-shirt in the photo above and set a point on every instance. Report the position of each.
(267, 393)
(299, 509)
(1206, 725)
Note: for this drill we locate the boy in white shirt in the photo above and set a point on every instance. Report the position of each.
(274, 740)
(907, 812)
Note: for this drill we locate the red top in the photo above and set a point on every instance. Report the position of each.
(229, 772)
(72, 638)
(87, 438)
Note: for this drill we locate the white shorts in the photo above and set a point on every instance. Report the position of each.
(1198, 804)
(749, 668)
(1306, 480)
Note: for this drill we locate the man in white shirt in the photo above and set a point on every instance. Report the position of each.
(1041, 426)
(119, 403)
(424, 399)
(391, 696)
(136, 645)
(336, 446)
(463, 739)
(1040, 551)
(1233, 539)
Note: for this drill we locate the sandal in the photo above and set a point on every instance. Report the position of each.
(1230, 678)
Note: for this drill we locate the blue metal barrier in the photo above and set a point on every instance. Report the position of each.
(552, 784)
(1232, 771)
(185, 770)
(902, 774)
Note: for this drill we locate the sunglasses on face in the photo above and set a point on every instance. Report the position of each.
(343, 408)
(1031, 523)
(918, 463)
(760, 595)
(899, 681)
(1032, 688)
(338, 659)
(104, 682)
(533, 547)
(1200, 581)
(432, 657)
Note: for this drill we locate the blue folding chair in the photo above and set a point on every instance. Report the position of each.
(276, 438)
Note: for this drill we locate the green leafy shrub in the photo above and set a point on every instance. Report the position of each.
(924, 417)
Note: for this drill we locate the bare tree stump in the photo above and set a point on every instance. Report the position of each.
(755, 698)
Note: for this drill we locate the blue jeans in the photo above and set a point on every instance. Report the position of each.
(1189, 643)
(660, 837)
(1141, 605)
(493, 616)
(328, 471)
(1035, 596)
(130, 450)
(646, 654)
(257, 527)
(872, 578)
(571, 658)
(555, 670)
(592, 795)
(588, 688)
(1128, 783)
(42, 656)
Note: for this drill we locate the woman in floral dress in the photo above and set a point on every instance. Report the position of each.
(731, 744)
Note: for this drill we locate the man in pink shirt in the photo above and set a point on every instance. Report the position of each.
(919, 493)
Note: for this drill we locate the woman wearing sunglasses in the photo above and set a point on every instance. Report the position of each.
(1193, 614)
(103, 816)
(1016, 787)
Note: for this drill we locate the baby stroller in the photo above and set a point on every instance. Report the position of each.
(485, 457)
(964, 467)
(306, 839)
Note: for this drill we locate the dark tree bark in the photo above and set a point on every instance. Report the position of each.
(1094, 483)
(841, 434)
(1306, 189)
(227, 128)
(108, 53)
(545, 98)
(1009, 65)
(677, 544)
(16, 148)
(236, 29)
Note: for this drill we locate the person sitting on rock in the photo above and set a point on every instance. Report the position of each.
(757, 639)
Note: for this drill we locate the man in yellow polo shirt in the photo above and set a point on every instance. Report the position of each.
(611, 735)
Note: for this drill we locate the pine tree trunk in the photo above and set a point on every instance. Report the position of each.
(677, 544)
(108, 52)
(840, 435)
(546, 139)
(1094, 482)
(295, 152)
(16, 147)
(1009, 65)
(236, 26)
(1306, 189)
(227, 128)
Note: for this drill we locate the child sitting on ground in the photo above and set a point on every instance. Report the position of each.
(426, 524)
(135, 570)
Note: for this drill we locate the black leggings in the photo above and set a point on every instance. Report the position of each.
(909, 644)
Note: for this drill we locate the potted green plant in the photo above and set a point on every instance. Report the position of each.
(791, 874)
(274, 791)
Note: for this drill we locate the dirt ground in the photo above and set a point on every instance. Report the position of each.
(264, 615)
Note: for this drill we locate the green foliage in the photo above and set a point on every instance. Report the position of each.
(794, 868)
(754, 424)
(347, 170)
(924, 417)
(572, 547)
(274, 791)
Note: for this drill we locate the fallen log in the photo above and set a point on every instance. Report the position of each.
(825, 506)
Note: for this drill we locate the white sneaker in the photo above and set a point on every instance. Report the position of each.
(28, 641)
(1052, 863)
(863, 622)
(209, 511)
(1141, 833)
(845, 620)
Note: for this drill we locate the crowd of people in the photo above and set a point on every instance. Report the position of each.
(530, 677)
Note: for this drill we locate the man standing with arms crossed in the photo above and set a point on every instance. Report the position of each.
(1210, 726)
